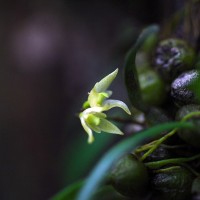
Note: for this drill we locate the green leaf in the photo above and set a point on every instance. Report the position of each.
(131, 77)
(99, 172)
(78, 159)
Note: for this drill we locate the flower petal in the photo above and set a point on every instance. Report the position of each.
(111, 103)
(102, 85)
(109, 127)
(87, 129)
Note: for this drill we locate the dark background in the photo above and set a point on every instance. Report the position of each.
(51, 54)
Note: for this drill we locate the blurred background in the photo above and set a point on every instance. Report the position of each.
(52, 52)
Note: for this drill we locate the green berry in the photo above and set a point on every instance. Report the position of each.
(130, 177)
(174, 184)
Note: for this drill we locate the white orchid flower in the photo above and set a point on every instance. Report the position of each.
(93, 118)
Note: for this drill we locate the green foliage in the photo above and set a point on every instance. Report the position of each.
(99, 172)
(89, 155)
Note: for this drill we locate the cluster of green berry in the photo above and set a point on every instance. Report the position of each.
(168, 167)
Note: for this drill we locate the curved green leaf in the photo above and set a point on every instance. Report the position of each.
(131, 78)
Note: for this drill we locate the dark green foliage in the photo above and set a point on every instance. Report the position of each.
(131, 76)
(99, 172)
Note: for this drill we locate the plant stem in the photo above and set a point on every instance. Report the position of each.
(168, 169)
(157, 144)
(190, 115)
(145, 147)
(191, 169)
(158, 164)
(122, 120)
(165, 137)
(173, 147)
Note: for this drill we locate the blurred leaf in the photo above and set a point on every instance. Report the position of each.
(81, 157)
(99, 172)
(131, 77)
(69, 193)
(196, 185)
(105, 193)
(108, 193)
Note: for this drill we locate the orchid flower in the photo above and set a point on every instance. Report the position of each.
(93, 118)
